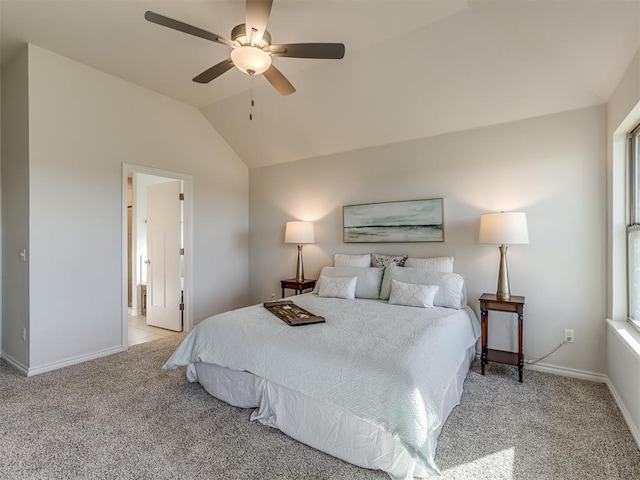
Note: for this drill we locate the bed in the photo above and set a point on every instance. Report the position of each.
(373, 385)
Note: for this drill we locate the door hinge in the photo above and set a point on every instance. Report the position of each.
(182, 196)
(181, 251)
(181, 306)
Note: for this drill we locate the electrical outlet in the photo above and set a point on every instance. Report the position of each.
(568, 335)
(24, 334)
(273, 297)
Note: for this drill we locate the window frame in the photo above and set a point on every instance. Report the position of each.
(633, 198)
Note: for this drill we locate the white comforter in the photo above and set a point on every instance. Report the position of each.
(386, 364)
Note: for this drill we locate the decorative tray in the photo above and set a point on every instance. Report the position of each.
(291, 314)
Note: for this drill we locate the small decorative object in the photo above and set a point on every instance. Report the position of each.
(504, 228)
(299, 233)
(406, 221)
(291, 314)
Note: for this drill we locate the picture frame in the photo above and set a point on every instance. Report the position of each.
(397, 222)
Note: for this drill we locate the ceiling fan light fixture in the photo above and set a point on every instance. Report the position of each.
(251, 60)
(251, 47)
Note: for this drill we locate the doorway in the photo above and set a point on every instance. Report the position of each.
(156, 254)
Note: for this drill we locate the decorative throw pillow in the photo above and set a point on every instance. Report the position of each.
(379, 260)
(440, 264)
(412, 294)
(337, 287)
(451, 294)
(369, 279)
(343, 260)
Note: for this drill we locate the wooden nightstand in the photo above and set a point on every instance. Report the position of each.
(515, 304)
(299, 287)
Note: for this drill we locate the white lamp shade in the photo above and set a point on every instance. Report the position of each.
(505, 228)
(299, 232)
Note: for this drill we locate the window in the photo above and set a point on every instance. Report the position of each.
(633, 229)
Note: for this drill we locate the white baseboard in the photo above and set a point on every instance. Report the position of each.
(625, 414)
(23, 369)
(567, 372)
(562, 371)
(74, 360)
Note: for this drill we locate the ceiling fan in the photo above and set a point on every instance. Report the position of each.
(252, 50)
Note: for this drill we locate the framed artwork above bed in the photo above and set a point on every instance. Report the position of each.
(404, 221)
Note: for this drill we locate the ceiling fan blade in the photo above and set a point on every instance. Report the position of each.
(279, 81)
(257, 16)
(184, 27)
(214, 72)
(308, 50)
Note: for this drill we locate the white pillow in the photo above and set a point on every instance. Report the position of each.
(369, 279)
(337, 287)
(451, 294)
(440, 264)
(412, 295)
(343, 260)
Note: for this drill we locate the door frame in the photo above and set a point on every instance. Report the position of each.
(187, 209)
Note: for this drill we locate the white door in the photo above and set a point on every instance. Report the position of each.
(164, 290)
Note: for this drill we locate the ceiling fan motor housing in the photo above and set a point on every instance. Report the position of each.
(239, 35)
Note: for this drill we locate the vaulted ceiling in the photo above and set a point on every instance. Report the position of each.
(412, 69)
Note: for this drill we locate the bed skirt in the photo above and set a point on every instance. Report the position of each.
(322, 425)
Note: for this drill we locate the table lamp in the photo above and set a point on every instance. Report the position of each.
(504, 228)
(299, 233)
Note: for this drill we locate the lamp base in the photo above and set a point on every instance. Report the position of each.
(300, 266)
(503, 292)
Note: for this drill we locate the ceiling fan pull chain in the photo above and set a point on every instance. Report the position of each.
(252, 103)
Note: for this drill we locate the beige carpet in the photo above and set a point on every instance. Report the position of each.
(121, 417)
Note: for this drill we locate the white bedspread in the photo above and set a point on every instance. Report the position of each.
(388, 365)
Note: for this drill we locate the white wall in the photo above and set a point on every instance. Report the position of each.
(550, 167)
(0, 216)
(84, 125)
(15, 211)
(0, 198)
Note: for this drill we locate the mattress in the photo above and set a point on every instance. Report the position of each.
(373, 385)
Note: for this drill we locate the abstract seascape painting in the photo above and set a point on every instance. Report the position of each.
(406, 221)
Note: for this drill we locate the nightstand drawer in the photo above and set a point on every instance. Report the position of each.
(499, 307)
